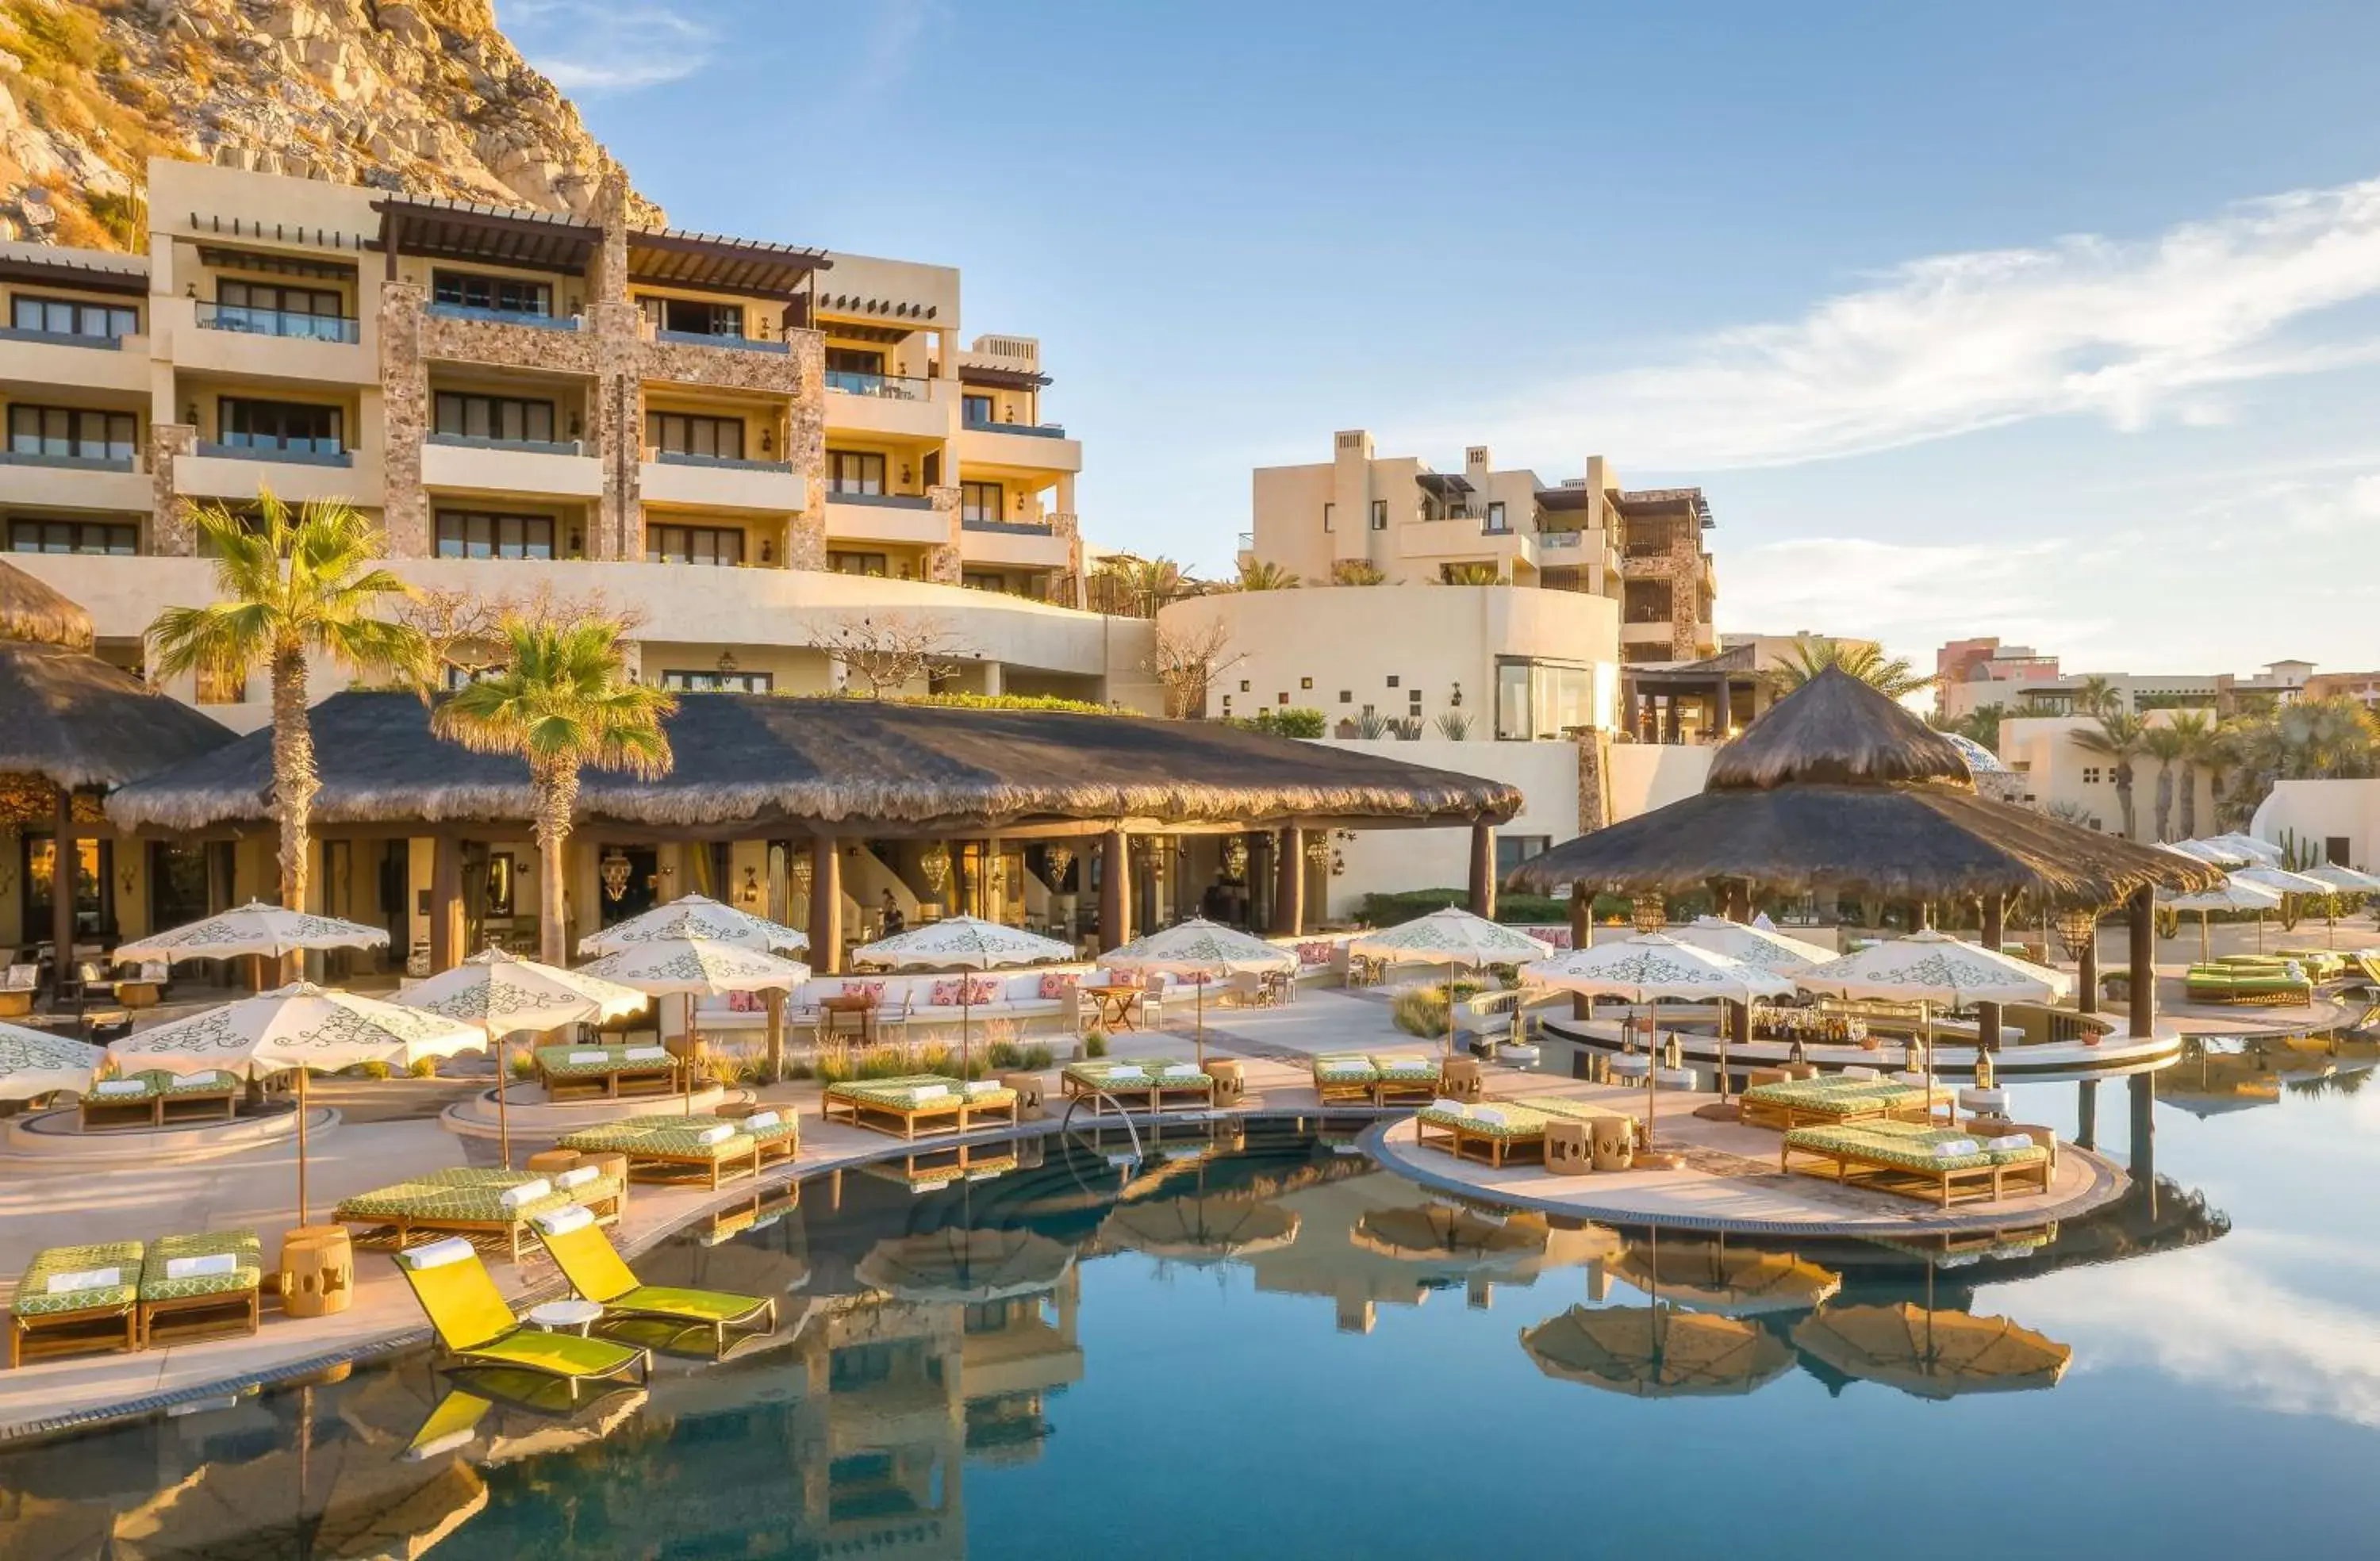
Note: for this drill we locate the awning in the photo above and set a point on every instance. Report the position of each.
(463, 230)
(710, 264)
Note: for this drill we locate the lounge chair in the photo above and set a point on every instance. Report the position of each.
(606, 1072)
(1151, 1082)
(191, 1286)
(927, 1102)
(154, 1096)
(1345, 1075)
(1494, 1134)
(1914, 1160)
(471, 1202)
(479, 1330)
(1582, 1112)
(2254, 984)
(667, 1148)
(1403, 1077)
(1835, 1099)
(81, 1298)
(595, 1270)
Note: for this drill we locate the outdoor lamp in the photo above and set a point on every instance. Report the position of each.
(2076, 929)
(1059, 858)
(1649, 911)
(615, 868)
(750, 893)
(1235, 856)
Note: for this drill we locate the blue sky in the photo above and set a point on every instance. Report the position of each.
(2055, 320)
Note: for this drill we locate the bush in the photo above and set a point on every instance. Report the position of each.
(1095, 1042)
(1299, 723)
(1529, 909)
(832, 1070)
(884, 1063)
(524, 1064)
(1038, 1059)
(944, 1061)
(1421, 1011)
(798, 1067)
(425, 1068)
(1004, 1054)
(372, 1070)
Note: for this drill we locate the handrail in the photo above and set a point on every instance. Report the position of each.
(1065, 1124)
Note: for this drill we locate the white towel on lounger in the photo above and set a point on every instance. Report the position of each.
(1182, 1071)
(984, 1086)
(2008, 1141)
(719, 1134)
(923, 1092)
(1856, 1071)
(1488, 1114)
(192, 1267)
(596, 1056)
(121, 1086)
(556, 1222)
(527, 1192)
(1951, 1148)
(85, 1279)
(645, 1054)
(576, 1176)
(761, 1122)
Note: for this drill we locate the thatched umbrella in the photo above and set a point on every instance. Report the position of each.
(69, 720)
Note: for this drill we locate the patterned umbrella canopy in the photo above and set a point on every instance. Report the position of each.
(694, 916)
(1765, 947)
(1655, 1351)
(1651, 966)
(1193, 1229)
(2248, 846)
(1706, 1276)
(962, 942)
(2237, 893)
(34, 1062)
(254, 929)
(1452, 936)
(2345, 880)
(2283, 880)
(504, 995)
(1457, 1240)
(302, 1026)
(698, 966)
(1199, 947)
(1931, 1354)
(1934, 967)
(964, 1264)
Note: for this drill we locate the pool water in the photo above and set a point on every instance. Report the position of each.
(1256, 1343)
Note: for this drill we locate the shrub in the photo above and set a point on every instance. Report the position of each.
(886, 1063)
(372, 1070)
(1298, 723)
(832, 1070)
(1421, 1011)
(1535, 910)
(1039, 1057)
(944, 1061)
(425, 1068)
(799, 1067)
(523, 1065)
(1095, 1042)
(1004, 1054)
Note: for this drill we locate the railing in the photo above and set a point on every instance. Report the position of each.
(1560, 540)
(1038, 431)
(1008, 527)
(710, 339)
(1248, 541)
(525, 446)
(506, 316)
(891, 387)
(725, 463)
(298, 451)
(61, 338)
(253, 322)
(881, 501)
(67, 463)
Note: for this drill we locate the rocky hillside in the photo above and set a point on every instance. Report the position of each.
(422, 95)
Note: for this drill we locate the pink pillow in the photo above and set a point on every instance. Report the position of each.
(1315, 953)
(743, 1003)
(984, 989)
(1059, 984)
(945, 995)
(872, 990)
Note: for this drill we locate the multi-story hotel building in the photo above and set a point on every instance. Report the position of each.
(744, 444)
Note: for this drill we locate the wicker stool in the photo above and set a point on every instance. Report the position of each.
(1231, 1082)
(1614, 1143)
(552, 1162)
(1028, 1090)
(1459, 1079)
(1566, 1148)
(318, 1270)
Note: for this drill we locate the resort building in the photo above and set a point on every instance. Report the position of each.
(1971, 674)
(1979, 674)
(2061, 775)
(743, 444)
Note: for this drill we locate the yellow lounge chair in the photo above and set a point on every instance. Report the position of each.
(479, 1329)
(596, 1271)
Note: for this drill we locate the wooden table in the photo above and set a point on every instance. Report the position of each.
(857, 1005)
(1116, 1000)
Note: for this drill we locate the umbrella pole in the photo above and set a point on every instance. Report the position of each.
(504, 1119)
(301, 1145)
(1652, 1067)
(1198, 1009)
(2206, 941)
(690, 1044)
(966, 1012)
(1925, 1033)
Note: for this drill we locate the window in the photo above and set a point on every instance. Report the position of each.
(1379, 514)
(1282, 698)
(257, 299)
(1346, 697)
(2089, 775)
(73, 536)
(504, 294)
(976, 408)
(70, 433)
(693, 317)
(684, 433)
(980, 501)
(470, 534)
(1513, 850)
(1542, 698)
(222, 688)
(1328, 512)
(2336, 850)
(854, 471)
(980, 580)
(1495, 518)
(720, 683)
(1305, 683)
(717, 545)
(871, 564)
(1392, 680)
(496, 417)
(70, 316)
(853, 361)
(280, 425)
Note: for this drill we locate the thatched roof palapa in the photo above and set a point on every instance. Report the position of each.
(849, 767)
(1839, 787)
(34, 613)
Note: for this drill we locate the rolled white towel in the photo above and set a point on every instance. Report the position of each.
(761, 1122)
(929, 1092)
(437, 1254)
(1182, 1071)
(1951, 1148)
(192, 1267)
(1450, 1107)
(206, 1080)
(1488, 1114)
(719, 1134)
(595, 1055)
(558, 1222)
(527, 1192)
(984, 1086)
(646, 1054)
(85, 1279)
(1126, 1076)
(121, 1086)
(2009, 1141)
(1856, 1071)
(576, 1176)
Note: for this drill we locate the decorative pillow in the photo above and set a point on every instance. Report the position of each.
(1317, 953)
(1058, 984)
(872, 990)
(982, 989)
(743, 1003)
(946, 994)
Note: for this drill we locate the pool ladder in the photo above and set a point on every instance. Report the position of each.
(1126, 1163)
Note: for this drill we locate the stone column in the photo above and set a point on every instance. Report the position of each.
(1115, 871)
(1988, 1015)
(2086, 1114)
(2143, 957)
(826, 907)
(446, 949)
(1582, 933)
(170, 533)
(405, 420)
(945, 560)
(1289, 882)
(1483, 870)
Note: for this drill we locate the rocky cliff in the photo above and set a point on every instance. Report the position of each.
(422, 96)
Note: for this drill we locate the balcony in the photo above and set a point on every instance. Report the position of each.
(710, 339)
(1014, 543)
(1039, 447)
(881, 500)
(61, 339)
(1036, 430)
(674, 476)
(36, 479)
(473, 464)
(529, 446)
(1008, 527)
(293, 452)
(281, 322)
(506, 316)
(237, 342)
(886, 517)
(66, 462)
(888, 387)
(300, 475)
(65, 358)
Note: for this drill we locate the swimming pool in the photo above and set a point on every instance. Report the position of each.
(1256, 1343)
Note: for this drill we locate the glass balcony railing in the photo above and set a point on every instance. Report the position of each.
(1038, 431)
(251, 321)
(294, 452)
(113, 460)
(723, 463)
(504, 316)
(710, 339)
(880, 501)
(1006, 527)
(889, 387)
(527, 446)
(61, 338)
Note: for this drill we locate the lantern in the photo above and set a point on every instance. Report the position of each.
(1060, 859)
(936, 866)
(800, 870)
(1235, 856)
(1650, 913)
(2076, 928)
(615, 868)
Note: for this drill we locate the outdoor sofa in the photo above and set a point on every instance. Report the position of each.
(1917, 1160)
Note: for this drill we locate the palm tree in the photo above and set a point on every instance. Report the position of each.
(562, 701)
(2097, 696)
(289, 588)
(2195, 731)
(1147, 583)
(1891, 676)
(1471, 574)
(1260, 574)
(2118, 737)
(2167, 747)
(1357, 572)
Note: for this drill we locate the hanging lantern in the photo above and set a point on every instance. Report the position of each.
(1060, 860)
(1318, 850)
(936, 866)
(1649, 911)
(615, 868)
(750, 893)
(2076, 928)
(1235, 856)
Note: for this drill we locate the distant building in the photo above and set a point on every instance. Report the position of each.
(1972, 674)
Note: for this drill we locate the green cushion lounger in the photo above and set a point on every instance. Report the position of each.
(86, 1297)
(1833, 1099)
(1493, 1134)
(596, 1271)
(192, 1286)
(1345, 1075)
(1403, 1077)
(479, 1329)
(460, 1200)
(574, 1072)
(666, 1148)
(1942, 1163)
(903, 1107)
(1149, 1082)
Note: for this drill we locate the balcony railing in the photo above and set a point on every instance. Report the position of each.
(525, 446)
(66, 462)
(891, 387)
(1038, 431)
(61, 338)
(251, 321)
(1558, 541)
(708, 339)
(881, 501)
(1008, 527)
(504, 316)
(1248, 541)
(295, 451)
(724, 463)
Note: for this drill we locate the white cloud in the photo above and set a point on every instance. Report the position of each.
(1901, 593)
(595, 46)
(2129, 331)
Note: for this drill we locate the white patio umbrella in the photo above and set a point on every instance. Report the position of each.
(1454, 936)
(2207, 851)
(301, 1027)
(2342, 880)
(1647, 968)
(34, 1063)
(1202, 950)
(2235, 893)
(1930, 968)
(696, 916)
(270, 932)
(502, 996)
(962, 943)
(1765, 948)
(2282, 881)
(2249, 846)
(696, 967)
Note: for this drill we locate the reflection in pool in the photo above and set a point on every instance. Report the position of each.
(1254, 1343)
